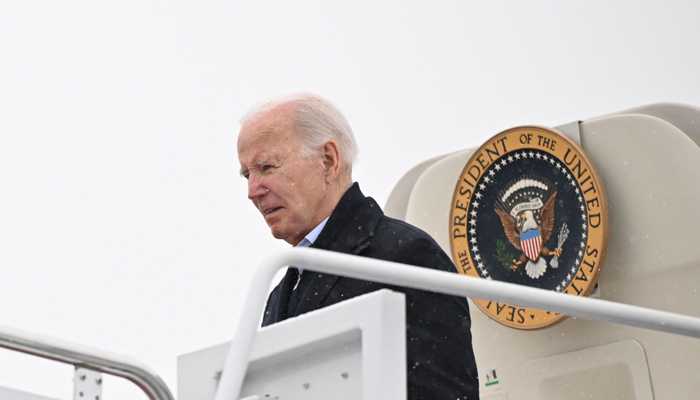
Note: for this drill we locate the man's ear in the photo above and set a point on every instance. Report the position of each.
(331, 161)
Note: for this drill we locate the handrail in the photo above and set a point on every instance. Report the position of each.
(87, 357)
(424, 278)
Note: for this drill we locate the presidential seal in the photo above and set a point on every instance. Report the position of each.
(530, 209)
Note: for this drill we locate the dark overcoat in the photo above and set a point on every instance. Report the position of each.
(440, 358)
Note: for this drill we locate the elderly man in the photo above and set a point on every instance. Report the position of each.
(297, 153)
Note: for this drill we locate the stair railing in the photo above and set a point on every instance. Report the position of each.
(89, 364)
(427, 279)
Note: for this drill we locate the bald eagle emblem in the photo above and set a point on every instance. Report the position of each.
(526, 209)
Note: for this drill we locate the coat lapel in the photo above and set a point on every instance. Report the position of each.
(348, 230)
(278, 303)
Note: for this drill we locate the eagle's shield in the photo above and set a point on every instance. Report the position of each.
(531, 243)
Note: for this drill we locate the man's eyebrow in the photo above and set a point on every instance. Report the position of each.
(259, 162)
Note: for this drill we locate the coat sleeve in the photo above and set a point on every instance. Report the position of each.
(440, 358)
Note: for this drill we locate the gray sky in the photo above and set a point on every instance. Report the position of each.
(123, 222)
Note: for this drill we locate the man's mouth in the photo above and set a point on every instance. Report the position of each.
(271, 210)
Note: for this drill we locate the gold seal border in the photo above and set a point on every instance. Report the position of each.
(533, 137)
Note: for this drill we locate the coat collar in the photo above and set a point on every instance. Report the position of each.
(351, 223)
(349, 230)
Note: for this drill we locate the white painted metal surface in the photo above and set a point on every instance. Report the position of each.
(423, 278)
(619, 371)
(87, 384)
(13, 394)
(355, 349)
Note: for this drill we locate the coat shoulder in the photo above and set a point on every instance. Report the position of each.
(405, 243)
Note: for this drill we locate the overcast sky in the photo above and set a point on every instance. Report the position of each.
(123, 222)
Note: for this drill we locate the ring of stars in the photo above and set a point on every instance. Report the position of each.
(491, 179)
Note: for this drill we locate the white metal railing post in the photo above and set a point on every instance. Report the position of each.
(424, 278)
(87, 384)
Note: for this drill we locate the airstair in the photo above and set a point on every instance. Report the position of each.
(650, 348)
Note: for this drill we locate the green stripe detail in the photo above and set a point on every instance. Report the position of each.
(492, 383)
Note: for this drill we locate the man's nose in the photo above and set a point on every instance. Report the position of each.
(255, 188)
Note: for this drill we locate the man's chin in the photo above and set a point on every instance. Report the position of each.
(279, 234)
(291, 238)
(276, 233)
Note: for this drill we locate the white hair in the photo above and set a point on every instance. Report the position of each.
(317, 121)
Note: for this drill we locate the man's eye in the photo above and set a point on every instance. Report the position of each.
(266, 167)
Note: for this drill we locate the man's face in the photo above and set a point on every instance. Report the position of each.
(288, 190)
